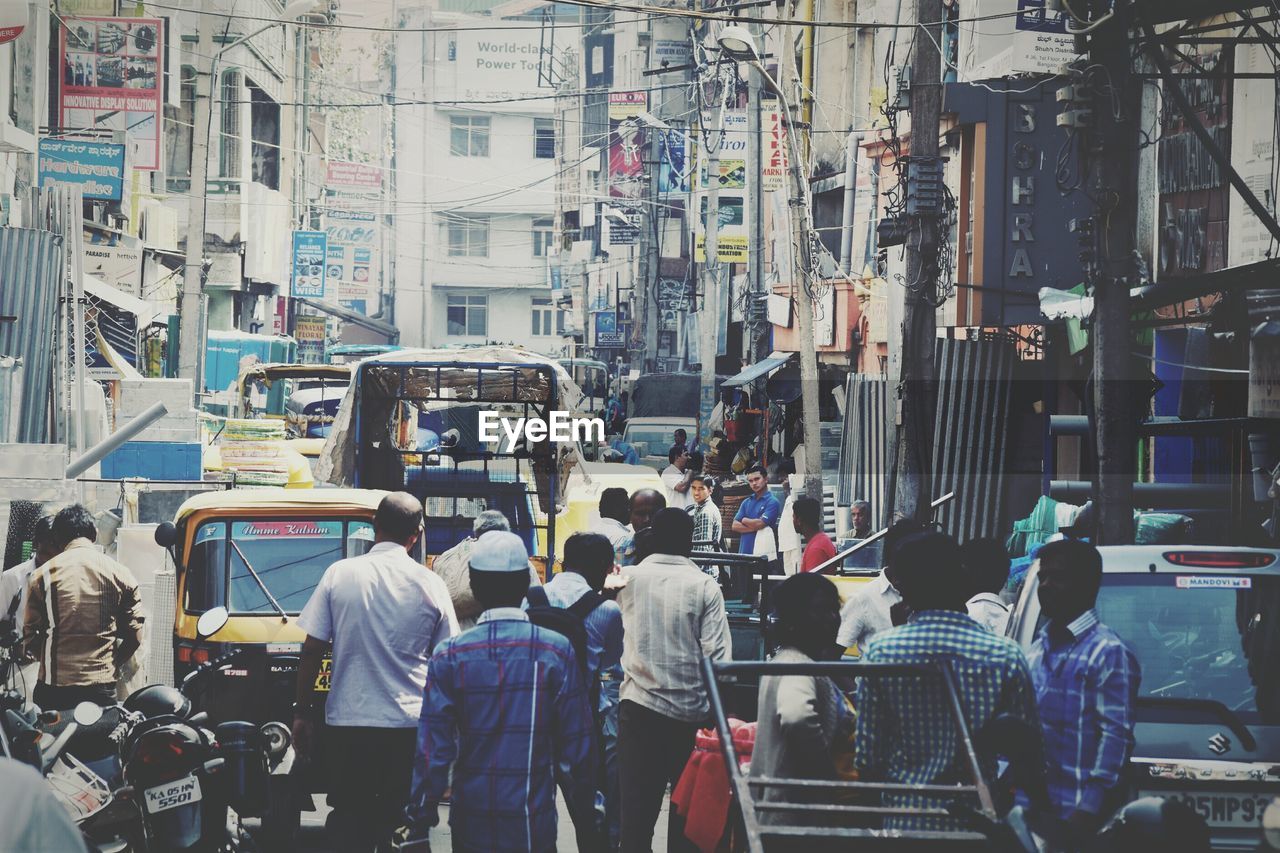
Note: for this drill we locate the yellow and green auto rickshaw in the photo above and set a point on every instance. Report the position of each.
(259, 553)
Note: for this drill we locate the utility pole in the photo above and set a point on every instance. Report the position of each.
(191, 310)
(802, 273)
(917, 390)
(1115, 431)
(753, 342)
(709, 310)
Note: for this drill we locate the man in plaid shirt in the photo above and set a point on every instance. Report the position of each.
(707, 524)
(905, 731)
(1086, 681)
(507, 709)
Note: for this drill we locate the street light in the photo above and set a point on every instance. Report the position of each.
(739, 45)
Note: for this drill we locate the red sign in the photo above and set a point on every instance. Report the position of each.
(112, 71)
(13, 19)
(340, 175)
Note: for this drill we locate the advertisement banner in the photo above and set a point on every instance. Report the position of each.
(608, 334)
(309, 253)
(116, 259)
(555, 279)
(627, 104)
(346, 177)
(493, 66)
(97, 167)
(354, 241)
(673, 162)
(626, 158)
(111, 80)
(731, 233)
(309, 332)
(774, 170)
(732, 178)
(623, 223)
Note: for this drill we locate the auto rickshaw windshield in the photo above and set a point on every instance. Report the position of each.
(231, 562)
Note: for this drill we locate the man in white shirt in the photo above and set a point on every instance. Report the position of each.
(615, 513)
(986, 567)
(31, 817)
(677, 477)
(869, 610)
(383, 614)
(672, 615)
(13, 583)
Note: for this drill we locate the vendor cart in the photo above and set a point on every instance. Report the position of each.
(820, 814)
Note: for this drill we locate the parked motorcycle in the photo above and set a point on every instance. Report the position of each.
(195, 783)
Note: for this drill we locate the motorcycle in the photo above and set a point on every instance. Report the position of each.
(192, 783)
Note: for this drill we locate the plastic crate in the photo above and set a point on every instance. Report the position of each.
(154, 460)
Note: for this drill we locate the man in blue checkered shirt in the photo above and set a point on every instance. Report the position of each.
(507, 710)
(906, 733)
(1086, 681)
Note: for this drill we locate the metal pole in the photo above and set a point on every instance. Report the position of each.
(191, 308)
(850, 183)
(87, 458)
(917, 391)
(755, 339)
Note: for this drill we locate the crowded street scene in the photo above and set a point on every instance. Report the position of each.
(614, 426)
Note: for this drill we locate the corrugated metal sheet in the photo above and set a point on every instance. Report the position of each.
(863, 456)
(969, 447)
(31, 274)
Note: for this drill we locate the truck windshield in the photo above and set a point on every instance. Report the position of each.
(1207, 637)
(289, 555)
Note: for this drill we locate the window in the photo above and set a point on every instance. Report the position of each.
(467, 315)
(469, 136)
(542, 314)
(544, 139)
(229, 136)
(264, 129)
(178, 134)
(543, 234)
(469, 236)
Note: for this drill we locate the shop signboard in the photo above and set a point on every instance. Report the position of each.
(354, 241)
(111, 80)
(13, 19)
(310, 252)
(608, 334)
(733, 180)
(96, 167)
(352, 177)
(309, 332)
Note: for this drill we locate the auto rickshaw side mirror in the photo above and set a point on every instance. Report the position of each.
(166, 534)
(211, 622)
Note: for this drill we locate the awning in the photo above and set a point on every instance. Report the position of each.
(99, 289)
(764, 367)
(391, 332)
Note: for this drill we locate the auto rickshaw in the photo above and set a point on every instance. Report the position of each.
(260, 555)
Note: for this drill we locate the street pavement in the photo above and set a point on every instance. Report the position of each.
(312, 839)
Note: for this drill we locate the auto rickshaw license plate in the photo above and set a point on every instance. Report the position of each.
(324, 678)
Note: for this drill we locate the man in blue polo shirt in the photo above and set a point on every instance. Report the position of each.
(757, 512)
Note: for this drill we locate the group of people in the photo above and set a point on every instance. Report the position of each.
(587, 686)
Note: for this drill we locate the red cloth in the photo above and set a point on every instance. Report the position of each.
(702, 795)
(818, 551)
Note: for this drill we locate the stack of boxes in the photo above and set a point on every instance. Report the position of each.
(170, 448)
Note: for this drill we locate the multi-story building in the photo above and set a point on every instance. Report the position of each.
(475, 145)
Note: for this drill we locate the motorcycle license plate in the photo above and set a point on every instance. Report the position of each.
(324, 678)
(1235, 809)
(173, 794)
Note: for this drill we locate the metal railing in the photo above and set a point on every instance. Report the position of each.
(975, 788)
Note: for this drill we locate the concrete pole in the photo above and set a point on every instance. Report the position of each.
(802, 284)
(191, 307)
(709, 310)
(917, 391)
(754, 339)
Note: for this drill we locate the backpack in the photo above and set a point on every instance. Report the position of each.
(569, 622)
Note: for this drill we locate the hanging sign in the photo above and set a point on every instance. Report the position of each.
(309, 253)
(13, 19)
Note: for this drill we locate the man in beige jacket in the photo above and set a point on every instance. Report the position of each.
(84, 616)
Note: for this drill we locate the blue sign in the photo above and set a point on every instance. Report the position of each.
(557, 280)
(607, 333)
(310, 249)
(98, 167)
